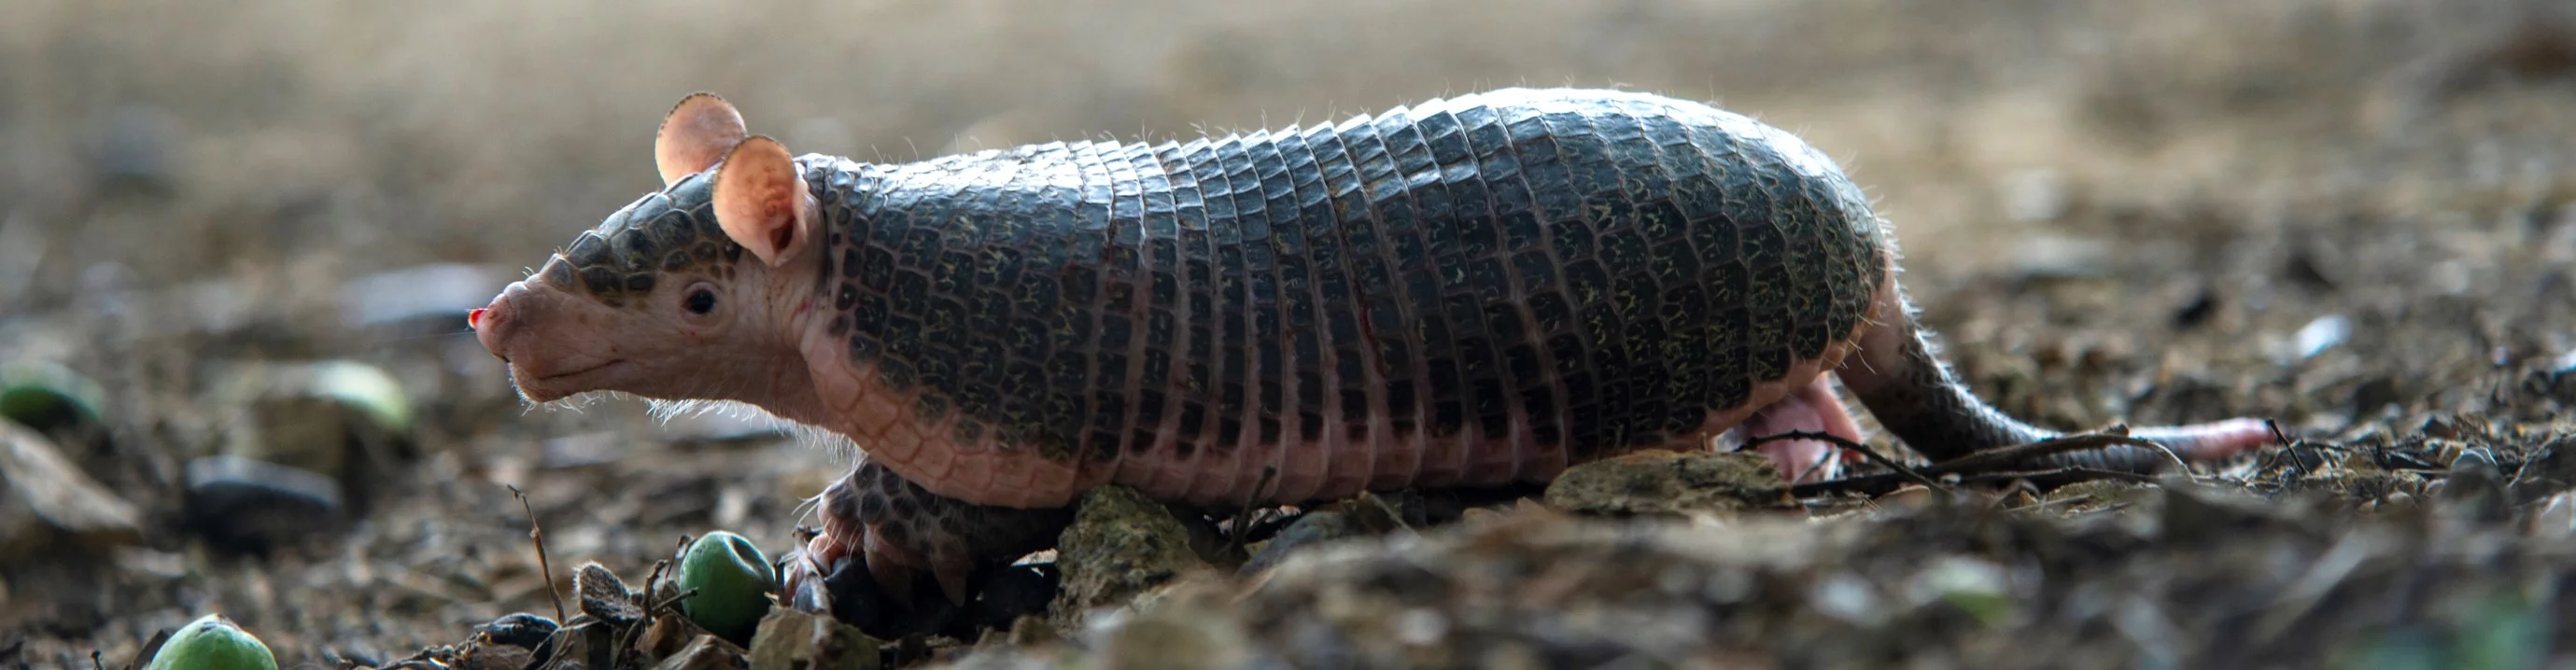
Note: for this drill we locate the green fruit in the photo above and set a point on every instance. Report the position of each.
(40, 394)
(364, 388)
(732, 580)
(213, 643)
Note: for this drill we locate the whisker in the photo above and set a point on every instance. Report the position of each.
(407, 339)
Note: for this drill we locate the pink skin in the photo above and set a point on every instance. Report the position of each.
(1813, 408)
(560, 343)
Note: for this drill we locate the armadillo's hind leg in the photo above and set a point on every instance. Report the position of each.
(902, 531)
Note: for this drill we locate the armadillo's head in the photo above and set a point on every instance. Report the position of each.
(694, 292)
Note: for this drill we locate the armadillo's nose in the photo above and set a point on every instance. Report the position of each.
(492, 325)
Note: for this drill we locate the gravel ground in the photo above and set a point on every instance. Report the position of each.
(2354, 217)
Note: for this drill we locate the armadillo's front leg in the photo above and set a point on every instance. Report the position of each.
(901, 530)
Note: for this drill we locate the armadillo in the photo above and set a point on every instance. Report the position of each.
(1472, 291)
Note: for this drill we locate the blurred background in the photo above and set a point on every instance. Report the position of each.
(2338, 212)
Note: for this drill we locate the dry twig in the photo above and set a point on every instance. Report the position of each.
(1872, 454)
(537, 535)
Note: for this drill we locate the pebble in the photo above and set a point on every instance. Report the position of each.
(244, 505)
(2321, 334)
(2475, 487)
(520, 630)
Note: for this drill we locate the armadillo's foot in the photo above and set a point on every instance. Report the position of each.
(1810, 409)
(900, 530)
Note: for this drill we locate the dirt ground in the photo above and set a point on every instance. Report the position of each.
(2355, 217)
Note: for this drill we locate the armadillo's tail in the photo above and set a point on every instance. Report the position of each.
(1913, 395)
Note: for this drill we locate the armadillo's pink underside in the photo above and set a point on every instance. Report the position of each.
(989, 473)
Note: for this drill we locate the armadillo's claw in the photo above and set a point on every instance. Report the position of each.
(803, 575)
(893, 566)
(896, 568)
(951, 575)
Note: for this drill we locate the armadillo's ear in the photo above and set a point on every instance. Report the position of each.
(761, 201)
(695, 135)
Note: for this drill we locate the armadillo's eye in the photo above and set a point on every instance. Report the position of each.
(701, 300)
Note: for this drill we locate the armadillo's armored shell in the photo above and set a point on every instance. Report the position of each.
(1586, 270)
(665, 234)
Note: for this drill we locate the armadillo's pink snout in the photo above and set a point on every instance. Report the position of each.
(492, 324)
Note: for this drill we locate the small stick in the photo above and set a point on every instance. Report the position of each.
(537, 535)
(1872, 454)
(2285, 441)
(1243, 520)
(653, 581)
(2277, 435)
(667, 604)
(678, 553)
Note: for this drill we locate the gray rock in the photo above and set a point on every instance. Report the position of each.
(250, 506)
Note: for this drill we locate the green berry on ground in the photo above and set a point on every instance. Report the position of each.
(732, 579)
(212, 642)
(40, 395)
